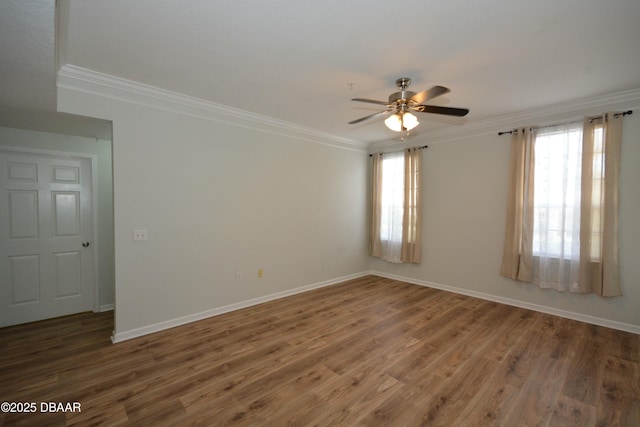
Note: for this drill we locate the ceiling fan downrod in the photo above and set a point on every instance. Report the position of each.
(403, 83)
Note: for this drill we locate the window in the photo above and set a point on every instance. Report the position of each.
(556, 207)
(557, 187)
(562, 224)
(597, 191)
(392, 198)
(395, 214)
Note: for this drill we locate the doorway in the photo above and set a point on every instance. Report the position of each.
(63, 139)
(46, 236)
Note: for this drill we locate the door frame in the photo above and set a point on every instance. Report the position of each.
(93, 159)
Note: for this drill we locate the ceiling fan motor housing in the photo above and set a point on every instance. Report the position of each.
(403, 95)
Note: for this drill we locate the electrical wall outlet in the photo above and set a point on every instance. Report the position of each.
(140, 235)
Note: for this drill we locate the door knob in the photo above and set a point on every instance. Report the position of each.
(85, 244)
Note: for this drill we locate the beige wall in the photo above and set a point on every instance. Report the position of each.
(225, 193)
(218, 199)
(465, 186)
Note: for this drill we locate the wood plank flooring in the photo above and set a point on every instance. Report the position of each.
(370, 351)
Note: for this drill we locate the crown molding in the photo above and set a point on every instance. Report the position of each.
(87, 81)
(92, 82)
(541, 116)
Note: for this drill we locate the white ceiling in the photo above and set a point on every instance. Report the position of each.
(302, 61)
(27, 49)
(27, 72)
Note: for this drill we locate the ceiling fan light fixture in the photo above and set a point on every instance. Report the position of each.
(410, 121)
(400, 121)
(394, 122)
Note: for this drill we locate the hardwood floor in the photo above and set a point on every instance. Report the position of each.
(370, 351)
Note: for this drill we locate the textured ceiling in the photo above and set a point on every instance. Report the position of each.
(302, 61)
(27, 49)
(27, 72)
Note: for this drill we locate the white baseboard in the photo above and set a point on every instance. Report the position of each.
(626, 327)
(106, 307)
(157, 327)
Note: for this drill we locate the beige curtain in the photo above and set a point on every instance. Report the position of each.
(411, 245)
(411, 219)
(375, 247)
(599, 228)
(599, 211)
(517, 257)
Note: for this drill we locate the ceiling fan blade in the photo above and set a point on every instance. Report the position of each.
(361, 119)
(371, 101)
(434, 109)
(428, 94)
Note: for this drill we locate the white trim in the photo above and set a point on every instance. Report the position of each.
(539, 116)
(107, 307)
(157, 327)
(92, 82)
(542, 116)
(635, 329)
(167, 324)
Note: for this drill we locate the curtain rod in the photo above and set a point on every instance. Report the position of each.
(616, 115)
(418, 148)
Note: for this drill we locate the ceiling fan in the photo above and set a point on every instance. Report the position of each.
(403, 102)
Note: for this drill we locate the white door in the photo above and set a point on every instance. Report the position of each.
(46, 251)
